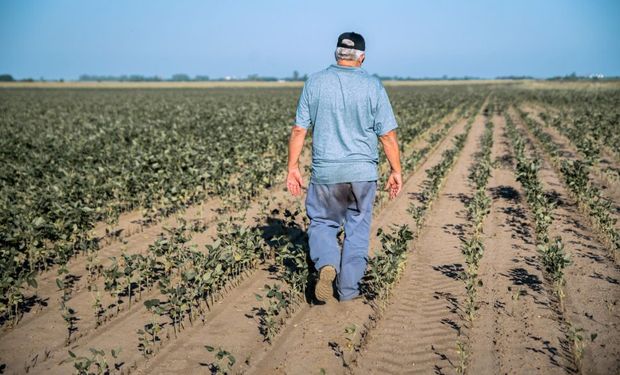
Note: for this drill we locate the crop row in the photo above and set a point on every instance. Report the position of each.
(190, 281)
(478, 207)
(576, 176)
(588, 117)
(553, 255)
(388, 263)
(551, 251)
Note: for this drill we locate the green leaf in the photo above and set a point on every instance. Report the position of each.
(593, 336)
(152, 303)
(32, 282)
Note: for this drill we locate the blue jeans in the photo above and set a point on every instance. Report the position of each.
(329, 206)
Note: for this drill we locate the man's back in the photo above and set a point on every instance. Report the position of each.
(348, 109)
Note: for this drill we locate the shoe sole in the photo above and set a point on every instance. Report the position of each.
(324, 289)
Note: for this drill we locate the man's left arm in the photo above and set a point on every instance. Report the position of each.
(294, 181)
(385, 128)
(392, 153)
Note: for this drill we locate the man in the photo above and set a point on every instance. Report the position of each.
(349, 111)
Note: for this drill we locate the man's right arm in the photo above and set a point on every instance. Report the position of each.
(294, 181)
(390, 145)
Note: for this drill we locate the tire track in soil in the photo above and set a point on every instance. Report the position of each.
(515, 330)
(418, 331)
(592, 279)
(246, 345)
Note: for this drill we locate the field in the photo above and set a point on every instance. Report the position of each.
(148, 230)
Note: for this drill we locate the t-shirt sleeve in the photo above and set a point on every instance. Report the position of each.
(302, 117)
(384, 116)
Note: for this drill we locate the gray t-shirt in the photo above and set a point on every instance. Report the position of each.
(347, 109)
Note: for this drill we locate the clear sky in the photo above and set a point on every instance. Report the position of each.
(485, 38)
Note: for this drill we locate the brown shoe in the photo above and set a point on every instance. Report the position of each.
(324, 289)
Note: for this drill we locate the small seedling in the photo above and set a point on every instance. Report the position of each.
(224, 360)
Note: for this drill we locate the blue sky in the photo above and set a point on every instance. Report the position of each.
(66, 38)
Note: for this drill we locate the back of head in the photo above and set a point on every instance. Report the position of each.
(350, 49)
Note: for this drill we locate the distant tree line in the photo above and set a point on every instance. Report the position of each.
(9, 78)
(442, 78)
(182, 77)
(574, 77)
(515, 77)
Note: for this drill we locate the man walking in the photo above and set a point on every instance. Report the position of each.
(349, 112)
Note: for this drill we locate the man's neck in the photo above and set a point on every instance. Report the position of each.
(352, 64)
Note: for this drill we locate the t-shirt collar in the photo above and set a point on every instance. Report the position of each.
(342, 67)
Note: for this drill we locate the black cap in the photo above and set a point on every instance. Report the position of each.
(351, 40)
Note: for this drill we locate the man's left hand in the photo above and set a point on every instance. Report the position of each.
(294, 181)
(394, 184)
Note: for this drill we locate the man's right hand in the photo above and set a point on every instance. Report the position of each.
(394, 184)
(294, 181)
